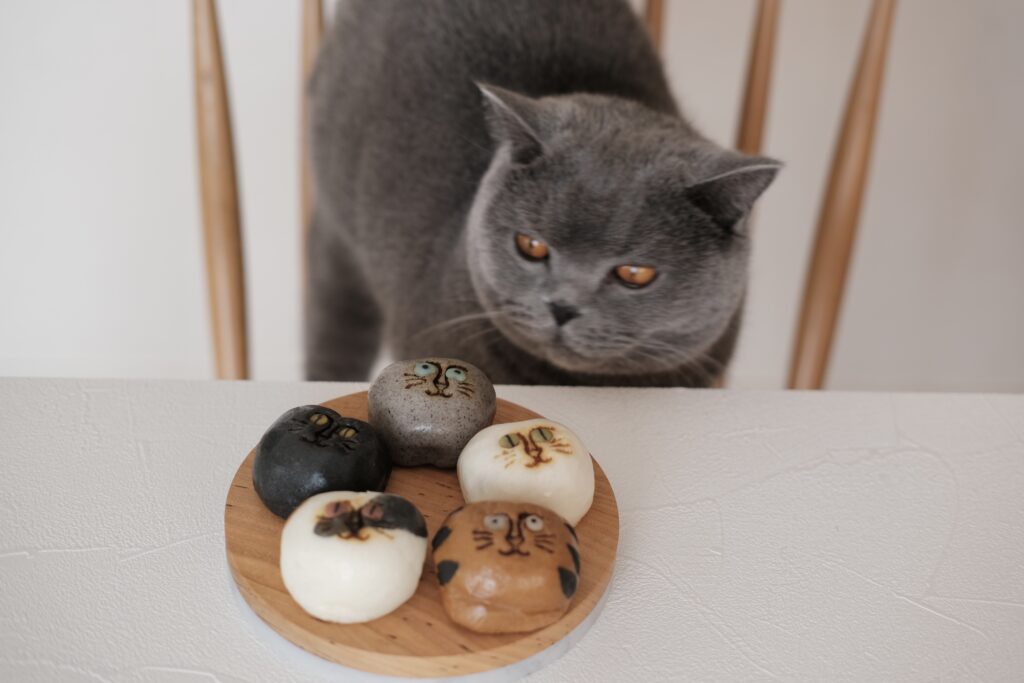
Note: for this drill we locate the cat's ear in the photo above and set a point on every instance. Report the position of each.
(513, 118)
(728, 196)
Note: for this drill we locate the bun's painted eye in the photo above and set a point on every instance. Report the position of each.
(636, 276)
(531, 247)
(424, 369)
(541, 434)
(336, 508)
(509, 441)
(319, 419)
(347, 432)
(534, 523)
(496, 522)
(457, 374)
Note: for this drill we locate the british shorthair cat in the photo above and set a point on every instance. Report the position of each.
(511, 183)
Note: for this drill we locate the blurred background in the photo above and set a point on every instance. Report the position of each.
(101, 262)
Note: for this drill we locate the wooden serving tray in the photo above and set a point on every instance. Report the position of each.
(417, 639)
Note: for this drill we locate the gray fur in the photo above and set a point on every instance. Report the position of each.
(441, 128)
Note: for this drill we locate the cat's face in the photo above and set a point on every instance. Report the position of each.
(535, 446)
(604, 239)
(440, 377)
(536, 461)
(323, 427)
(495, 559)
(354, 517)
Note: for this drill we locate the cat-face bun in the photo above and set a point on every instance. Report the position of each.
(535, 461)
(351, 557)
(425, 410)
(506, 567)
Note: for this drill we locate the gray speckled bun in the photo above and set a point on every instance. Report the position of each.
(425, 410)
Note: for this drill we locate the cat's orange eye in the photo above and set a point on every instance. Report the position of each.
(531, 247)
(636, 276)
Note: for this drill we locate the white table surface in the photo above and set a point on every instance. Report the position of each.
(797, 536)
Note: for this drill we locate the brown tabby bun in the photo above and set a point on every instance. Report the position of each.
(506, 567)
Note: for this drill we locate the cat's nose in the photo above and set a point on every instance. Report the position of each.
(563, 312)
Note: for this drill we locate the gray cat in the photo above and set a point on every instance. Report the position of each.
(511, 183)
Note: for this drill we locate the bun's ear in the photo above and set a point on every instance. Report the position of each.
(514, 119)
(728, 196)
(446, 571)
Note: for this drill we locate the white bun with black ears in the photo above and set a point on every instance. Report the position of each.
(352, 557)
(534, 461)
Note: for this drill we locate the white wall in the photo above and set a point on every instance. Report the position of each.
(100, 251)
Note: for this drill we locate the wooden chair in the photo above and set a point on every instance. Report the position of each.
(837, 222)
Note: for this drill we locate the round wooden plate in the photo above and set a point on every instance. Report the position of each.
(417, 639)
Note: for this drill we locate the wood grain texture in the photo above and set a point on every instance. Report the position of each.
(837, 225)
(759, 74)
(417, 639)
(222, 225)
(654, 19)
(312, 36)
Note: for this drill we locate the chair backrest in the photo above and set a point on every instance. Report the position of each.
(844, 193)
(837, 222)
(222, 226)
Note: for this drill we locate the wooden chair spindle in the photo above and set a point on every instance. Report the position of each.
(837, 225)
(219, 191)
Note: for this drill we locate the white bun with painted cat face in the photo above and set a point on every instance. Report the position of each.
(534, 461)
(352, 557)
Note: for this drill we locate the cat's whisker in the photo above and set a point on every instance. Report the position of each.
(449, 326)
(704, 357)
(491, 341)
(706, 368)
(458, 320)
(480, 333)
